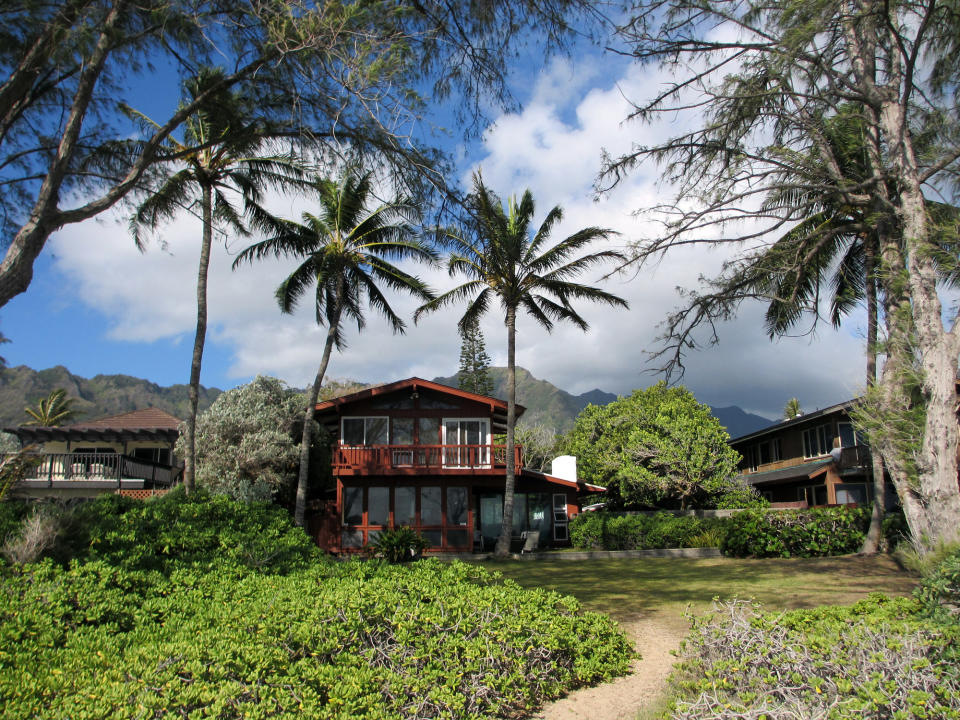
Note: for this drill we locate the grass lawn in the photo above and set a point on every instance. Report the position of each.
(634, 589)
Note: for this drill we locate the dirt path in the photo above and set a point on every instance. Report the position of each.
(655, 638)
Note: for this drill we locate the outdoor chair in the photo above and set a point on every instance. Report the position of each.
(531, 540)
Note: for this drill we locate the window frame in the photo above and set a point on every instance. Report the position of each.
(365, 418)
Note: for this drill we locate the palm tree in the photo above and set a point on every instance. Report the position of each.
(504, 262)
(53, 410)
(792, 409)
(223, 154)
(345, 251)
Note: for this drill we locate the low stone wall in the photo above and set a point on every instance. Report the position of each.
(580, 555)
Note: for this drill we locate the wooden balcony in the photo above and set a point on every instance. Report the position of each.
(423, 459)
(98, 470)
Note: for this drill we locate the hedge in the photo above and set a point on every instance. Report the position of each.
(796, 533)
(609, 531)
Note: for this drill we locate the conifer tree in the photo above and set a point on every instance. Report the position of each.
(474, 373)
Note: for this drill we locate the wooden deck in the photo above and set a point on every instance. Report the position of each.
(423, 459)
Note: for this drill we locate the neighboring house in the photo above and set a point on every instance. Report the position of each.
(131, 452)
(420, 454)
(812, 460)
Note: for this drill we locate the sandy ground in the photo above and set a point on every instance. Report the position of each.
(622, 699)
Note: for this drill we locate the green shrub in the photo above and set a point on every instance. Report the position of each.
(611, 531)
(796, 533)
(939, 592)
(335, 640)
(176, 530)
(12, 515)
(400, 545)
(877, 659)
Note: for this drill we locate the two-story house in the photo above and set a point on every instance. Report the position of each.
(814, 459)
(420, 454)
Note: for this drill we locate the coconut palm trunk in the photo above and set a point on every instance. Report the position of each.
(300, 509)
(506, 529)
(871, 543)
(190, 461)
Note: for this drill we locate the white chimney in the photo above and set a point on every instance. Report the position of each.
(564, 467)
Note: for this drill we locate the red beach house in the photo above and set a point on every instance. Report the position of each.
(420, 454)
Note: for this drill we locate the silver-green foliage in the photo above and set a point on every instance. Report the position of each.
(247, 440)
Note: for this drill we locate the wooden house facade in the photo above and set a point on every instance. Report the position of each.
(812, 460)
(423, 455)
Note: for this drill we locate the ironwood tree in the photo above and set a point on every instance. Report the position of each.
(349, 79)
(474, 372)
(768, 78)
(505, 260)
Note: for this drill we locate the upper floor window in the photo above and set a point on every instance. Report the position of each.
(364, 431)
(763, 453)
(817, 441)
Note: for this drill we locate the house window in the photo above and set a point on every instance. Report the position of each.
(428, 431)
(352, 506)
(160, 456)
(358, 431)
(468, 438)
(405, 499)
(817, 441)
(402, 431)
(457, 506)
(852, 494)
(847, 436)
(378, 506)
(813, 494)
(430, 506)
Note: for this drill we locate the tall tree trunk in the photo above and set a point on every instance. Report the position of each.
(300, 508)
(506, 529)
(190, 461)
(871, 543)
(937, 349)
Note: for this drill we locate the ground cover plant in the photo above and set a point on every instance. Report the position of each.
(796, 533)
(610, 531)
(198, 620)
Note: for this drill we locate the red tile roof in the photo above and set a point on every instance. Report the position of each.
(145, 419)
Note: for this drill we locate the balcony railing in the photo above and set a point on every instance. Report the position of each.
(408, 458)
(857, 456)
(103, 467)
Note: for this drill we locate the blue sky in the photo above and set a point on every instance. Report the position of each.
(97, 305)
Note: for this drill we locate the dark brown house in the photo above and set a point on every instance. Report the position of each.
(419, 454)
(814, 459)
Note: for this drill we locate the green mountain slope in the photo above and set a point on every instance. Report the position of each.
(95, 397)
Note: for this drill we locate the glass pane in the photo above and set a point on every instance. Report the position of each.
(456, 506)
(470, 432)
(851, 493)
(820, 495)
(405, 501)
(402, 431)
(433, 537)
(377, 431)
(352, 506)
(452, 456)
(846, 435)
(491, 516)
(353, 431)
(351, 539)
(378, 506)
(430, 506)
(372, 536)
(519, 513)
(538, 509)
(458, 539)
(429, 431)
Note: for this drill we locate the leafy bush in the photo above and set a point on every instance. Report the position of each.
(796, 533)
(248, 441)
(36, 535)
(176, 530)
(336, 640)
(610, 531)
(12, 515)
(400, 544)
(939, 592)
(877, 659)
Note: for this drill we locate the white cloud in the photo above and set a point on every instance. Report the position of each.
(553, 147)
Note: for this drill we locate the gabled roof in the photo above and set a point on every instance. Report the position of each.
(839, 407)
(498, 407)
